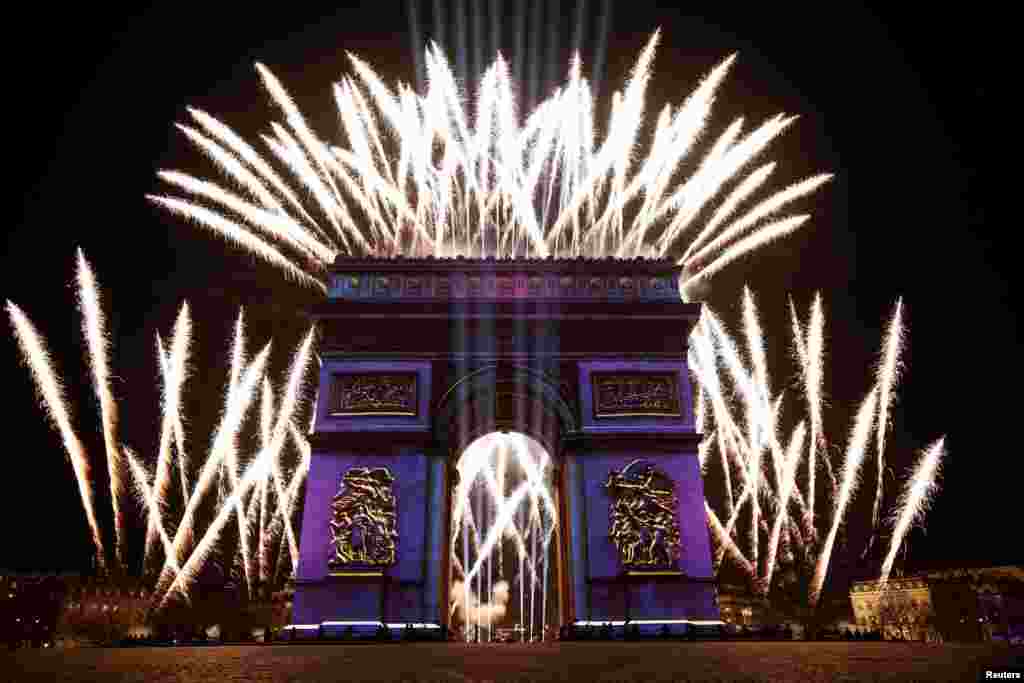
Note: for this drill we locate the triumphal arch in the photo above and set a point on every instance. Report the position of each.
(503, 447)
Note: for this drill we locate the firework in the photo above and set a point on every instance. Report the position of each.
(34, 352)
(421, 175)
(94, 330)
(848, 485)
(237, 404)
(887, 377)
(197, 558)
(182, 557)
(173, 371)
(493, 520)
(149, 502)
(914, 500)
(741, 419)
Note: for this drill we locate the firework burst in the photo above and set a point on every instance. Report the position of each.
(741, 420)
(422, 175)
(192, 542)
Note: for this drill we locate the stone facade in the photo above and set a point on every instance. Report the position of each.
(956, 604)
(420, 357)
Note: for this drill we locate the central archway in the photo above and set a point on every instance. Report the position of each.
(504, 540)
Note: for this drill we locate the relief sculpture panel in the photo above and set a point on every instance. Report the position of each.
(643, 520)
(377, 394)
(364, 522)
(631, 395)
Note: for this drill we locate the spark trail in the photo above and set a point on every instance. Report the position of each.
(855, 452)
(741, 419)
(37, 358)
(153, 487)
(914, 500)
(94, 330)
(887, 377)
(173, 370)
(423, 173)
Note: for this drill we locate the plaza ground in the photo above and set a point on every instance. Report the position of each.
(706, 661)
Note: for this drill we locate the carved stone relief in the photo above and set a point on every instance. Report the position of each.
(364, 524)
(625, 395)
(376, 394)
(643, 522)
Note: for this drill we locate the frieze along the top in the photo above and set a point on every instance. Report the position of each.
(496, 279)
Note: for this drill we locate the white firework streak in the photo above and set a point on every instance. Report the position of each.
(755, 347)
(502, 519)
(758, 423)
(171, 424)
(887, 374)
(914, 500)
(723, 451)
(815, 375)
(313, 147)
(747, 386)
(686, 128)
(855, 451)
(173, 371)
(800, 354)
(289, 405)
(232, 168)
(286, 512)
(233, 232)
(726, 544)
(229, 463)
(266, 428)
(528, 186)
(183, 579)
(746, 188)
(475, 463)
(763, 210)
(226, 433)
(761, 415)
(763, 236)
(35, 355)
(287, 149)
(149, 501)
(299, 476)
(786, 488)
(701, 187)
(94, 329)
(727, 161)
(273, 223)
(247, 154)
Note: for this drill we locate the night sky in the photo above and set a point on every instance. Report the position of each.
(903, 108)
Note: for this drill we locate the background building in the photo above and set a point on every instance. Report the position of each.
(957, 604)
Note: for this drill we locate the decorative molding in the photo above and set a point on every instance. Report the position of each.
(364, 524)
(489, 279)
(644, 517)
(376, 394)
(377, 439)
(660, 441)
(631, 394)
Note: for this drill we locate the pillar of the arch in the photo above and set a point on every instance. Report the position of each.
(617, 429)
(350, 433)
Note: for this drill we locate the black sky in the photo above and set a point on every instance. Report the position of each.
(908, 108)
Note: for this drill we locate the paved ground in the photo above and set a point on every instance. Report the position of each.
(712, 661)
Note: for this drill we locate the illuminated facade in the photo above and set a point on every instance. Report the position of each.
(585, 497)
(958, 604)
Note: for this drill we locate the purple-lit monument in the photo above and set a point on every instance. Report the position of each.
(504, 446)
